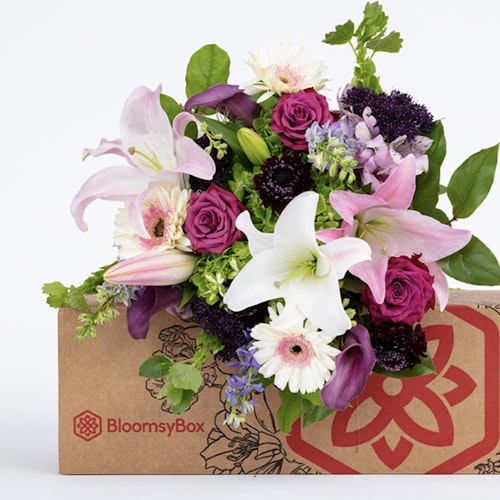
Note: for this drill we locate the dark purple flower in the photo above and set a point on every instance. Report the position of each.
(352, 367)
(282, 179)
(233, 328)
(152, 300)
(229, 100)
(398, 346)
(295, 113)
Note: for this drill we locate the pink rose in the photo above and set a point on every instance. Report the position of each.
(295, 113)
(210, 220)
(409, 292)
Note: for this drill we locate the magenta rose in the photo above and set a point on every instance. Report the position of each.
(295, 113)
(210, 220)
(409, 292)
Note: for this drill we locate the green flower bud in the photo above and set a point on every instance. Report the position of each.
(253, 145)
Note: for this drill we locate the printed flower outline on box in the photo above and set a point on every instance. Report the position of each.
(393, 408)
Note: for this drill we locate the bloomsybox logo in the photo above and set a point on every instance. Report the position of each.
(88, 425)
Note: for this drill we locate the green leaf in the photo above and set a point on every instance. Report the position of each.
(471, 182)
(207, 67)
(185, 376)
(289, 411)
(178, 399)
(57, 294)
(390, 43)
(156, 366)
(425, 367)
(475, 264)
(170, 106)
(312, 413)
(342, 34)
(427, 189)
(230, 136)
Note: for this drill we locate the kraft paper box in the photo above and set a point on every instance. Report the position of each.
(110, 421)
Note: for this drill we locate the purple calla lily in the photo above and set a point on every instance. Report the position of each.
(352, 368)
(152, 300)
(229, 100)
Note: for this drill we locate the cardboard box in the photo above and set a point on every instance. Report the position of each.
(110, 421)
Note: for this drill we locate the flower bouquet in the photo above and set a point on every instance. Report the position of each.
(302, 235)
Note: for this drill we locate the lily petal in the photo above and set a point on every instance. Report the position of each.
(153, 269)
(258, 281)
(399, 188)
(146, 130)
(257, 240)
(331, 317)
(352, 368)
(111, 183)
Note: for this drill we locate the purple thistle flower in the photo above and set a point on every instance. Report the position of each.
(396, 113)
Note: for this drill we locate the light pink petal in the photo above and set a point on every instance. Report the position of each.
(440, 284)
(373, 274)
(153, 269)
(193, 160)
(348, 204)
(408, 232)
(345, 252)
(327, 235)
(181, 121)
(146, 129)
(106, 147)
(399, 187)
(111, 183)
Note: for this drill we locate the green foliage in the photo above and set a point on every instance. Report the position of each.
(170, 106)
(207, 67)
(294, 405)
(471, 182)
(156, 366)
(427, 189)
(59, 295)
(213, 271)
(181, 379)
(474, 264)
(370, 37)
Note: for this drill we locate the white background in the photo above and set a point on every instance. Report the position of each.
(66, 70)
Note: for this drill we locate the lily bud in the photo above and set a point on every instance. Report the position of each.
(153, 269)
(253, 145)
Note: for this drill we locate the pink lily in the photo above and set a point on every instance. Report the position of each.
(153, 268)
(154, 150)
(385, 223)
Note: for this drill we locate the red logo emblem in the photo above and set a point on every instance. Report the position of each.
(87, 425)
(395, 419)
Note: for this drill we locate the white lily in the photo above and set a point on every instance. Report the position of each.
(290, 264)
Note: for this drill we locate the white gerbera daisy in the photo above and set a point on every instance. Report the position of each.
(293, 350)
(282, 69)
(163, 212)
